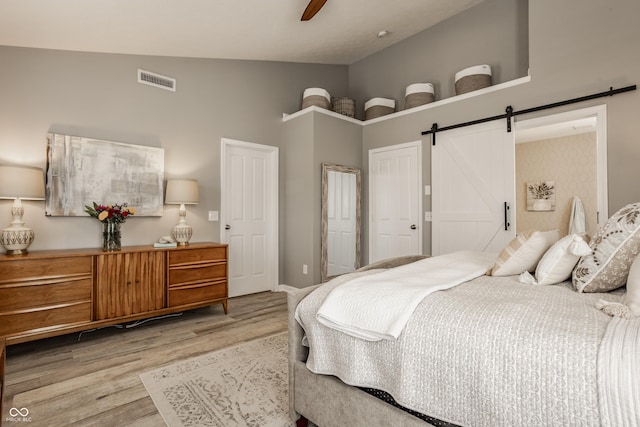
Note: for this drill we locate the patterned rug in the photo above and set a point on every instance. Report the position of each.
(245, 385)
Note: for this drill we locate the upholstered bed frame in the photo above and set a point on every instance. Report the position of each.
(325, 400)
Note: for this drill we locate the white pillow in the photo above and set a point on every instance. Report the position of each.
(557, 263)
(613, 249)
(524, 252)
(631, 306)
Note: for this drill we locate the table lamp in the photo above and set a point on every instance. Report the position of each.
(19, 183)
(182, 192)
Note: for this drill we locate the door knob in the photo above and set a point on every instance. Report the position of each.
(413, 226)
(227, 227)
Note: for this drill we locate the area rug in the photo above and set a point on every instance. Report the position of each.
(244, 385)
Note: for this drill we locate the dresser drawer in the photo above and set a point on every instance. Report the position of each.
(17, 321)
(201, 292)
(197, 273)
(189, 256)
(34, 294)
(37, 269)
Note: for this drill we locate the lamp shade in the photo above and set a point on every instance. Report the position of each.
(24, 182)
(182, 191)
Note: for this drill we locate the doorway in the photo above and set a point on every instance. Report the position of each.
(249, 215)
(569, 150)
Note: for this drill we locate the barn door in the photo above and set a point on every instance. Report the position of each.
(473, 188)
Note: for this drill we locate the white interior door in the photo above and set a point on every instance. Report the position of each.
(472, 177)
(249, 215)
(341, 223)
(395, 201)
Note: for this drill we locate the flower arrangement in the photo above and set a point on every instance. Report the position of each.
(116, 213)
(541, 190)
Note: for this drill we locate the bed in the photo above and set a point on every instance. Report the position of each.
(489, 351)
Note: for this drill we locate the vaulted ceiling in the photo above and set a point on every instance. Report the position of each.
(342, 32)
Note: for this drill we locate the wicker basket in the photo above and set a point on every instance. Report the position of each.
(418, 94)
(378, 107)
(345, 106)
(473, 78)
(316, 96)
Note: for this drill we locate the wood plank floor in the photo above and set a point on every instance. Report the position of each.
(94, 381)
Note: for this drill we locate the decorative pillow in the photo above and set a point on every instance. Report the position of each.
(524, 252)
(631, 306)
(557, 263)
(613, 249)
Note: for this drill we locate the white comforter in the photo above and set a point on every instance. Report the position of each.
(378, 307)
(489, 352)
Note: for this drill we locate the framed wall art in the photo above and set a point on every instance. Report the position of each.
(541, 196)
(82, 170)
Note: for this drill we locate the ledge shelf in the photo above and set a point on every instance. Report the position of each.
(500, 86)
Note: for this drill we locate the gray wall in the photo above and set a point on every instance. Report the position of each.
(298, 215)
(493, 32)
(97, 95)
(576, 48)
(310, 140)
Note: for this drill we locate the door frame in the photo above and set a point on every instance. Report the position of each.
(599, 112)
(418, 145)
(273, 221)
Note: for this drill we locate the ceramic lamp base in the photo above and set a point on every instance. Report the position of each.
(182, 234)
(183, 231)
(17, 238)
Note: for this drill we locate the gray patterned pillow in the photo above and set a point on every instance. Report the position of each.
(614, 248)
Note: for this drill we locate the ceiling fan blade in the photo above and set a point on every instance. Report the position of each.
(312, 8)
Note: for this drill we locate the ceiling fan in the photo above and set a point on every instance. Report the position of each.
(313, 7)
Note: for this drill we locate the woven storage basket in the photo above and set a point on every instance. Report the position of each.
(418, 94)
(473, 78)
(316, 96)
(378, 107)
(345, 106)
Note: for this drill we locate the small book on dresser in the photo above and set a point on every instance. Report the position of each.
(165, 245)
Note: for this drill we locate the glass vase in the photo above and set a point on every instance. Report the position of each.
(111, 236)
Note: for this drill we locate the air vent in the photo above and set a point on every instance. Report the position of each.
(157, 80)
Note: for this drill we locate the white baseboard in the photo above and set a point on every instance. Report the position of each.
(286, 288)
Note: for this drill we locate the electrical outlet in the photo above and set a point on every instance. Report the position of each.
(305, 269)
(213, 215)
(427, 190)
(427, 216)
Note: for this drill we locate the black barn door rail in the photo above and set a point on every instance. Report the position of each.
(509, 113)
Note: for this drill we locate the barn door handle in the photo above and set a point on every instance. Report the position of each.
(413, 226)
(227, 227)
(507, 224)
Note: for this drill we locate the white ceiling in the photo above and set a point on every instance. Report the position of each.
(557, 130)
(343, 32)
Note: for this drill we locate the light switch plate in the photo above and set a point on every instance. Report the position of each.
(213, 215)
(427, 216)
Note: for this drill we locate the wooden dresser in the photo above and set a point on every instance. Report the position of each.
(48, 293)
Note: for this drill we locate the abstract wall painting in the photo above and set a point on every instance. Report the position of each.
(82, 170)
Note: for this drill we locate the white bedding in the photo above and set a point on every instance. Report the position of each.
(619, 373)
(489, 352)
(378, 307)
